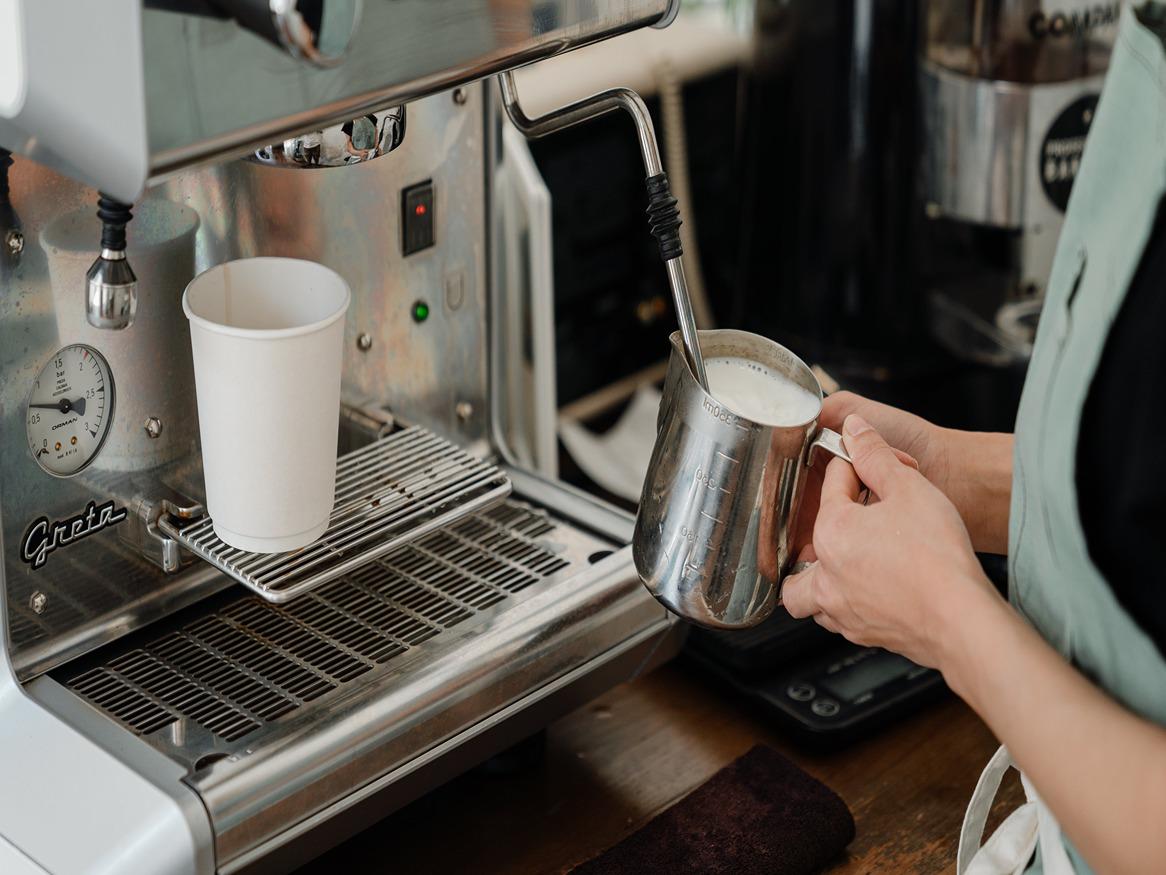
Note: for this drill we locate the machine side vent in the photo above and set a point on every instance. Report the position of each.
(251, 662)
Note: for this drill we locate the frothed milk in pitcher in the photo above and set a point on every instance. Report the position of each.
(752, 390)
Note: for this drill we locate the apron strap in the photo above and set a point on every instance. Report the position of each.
(976, 816)
(1011, 847)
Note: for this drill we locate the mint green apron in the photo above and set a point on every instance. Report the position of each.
(1053, 581)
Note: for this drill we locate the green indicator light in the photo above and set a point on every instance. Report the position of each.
(420, 311)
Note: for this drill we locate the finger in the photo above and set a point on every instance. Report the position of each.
(907, 459)
(826, 623)
(840, 485)
(874, 460)
(839, 405)
(797, 593)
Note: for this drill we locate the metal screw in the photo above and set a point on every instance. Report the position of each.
(933, 210)
(464, 410)
(14, 240)
(460, 96)
(154, 427)
(364, 343)
(38, 601)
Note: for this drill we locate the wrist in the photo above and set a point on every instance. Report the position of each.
(973, 617)
(977, 468)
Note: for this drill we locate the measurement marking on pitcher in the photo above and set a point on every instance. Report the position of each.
(709, 481)
(709, 516)
(724, 456)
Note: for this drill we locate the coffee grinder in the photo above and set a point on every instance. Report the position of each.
(1008, 91)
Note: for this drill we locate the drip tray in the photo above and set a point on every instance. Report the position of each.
(389, 493)
(229, 677)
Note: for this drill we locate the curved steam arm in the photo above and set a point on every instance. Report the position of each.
(663, 214)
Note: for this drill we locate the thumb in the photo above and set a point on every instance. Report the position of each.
(875, 462)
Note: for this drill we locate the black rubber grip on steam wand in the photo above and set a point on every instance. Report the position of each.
(5, 163)
(114, 216)
(664, 217)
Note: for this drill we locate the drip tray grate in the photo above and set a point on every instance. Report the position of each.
(389, 493)
(220, 677)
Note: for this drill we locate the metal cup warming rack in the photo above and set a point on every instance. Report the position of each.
(388, 493)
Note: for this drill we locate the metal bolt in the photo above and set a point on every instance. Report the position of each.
(933, 210)
(460, 96)
(14, 240)
(364, 343)
(464, 410)
(38, 601)
(153, 427)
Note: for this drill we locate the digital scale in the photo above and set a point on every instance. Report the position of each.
(822, 689)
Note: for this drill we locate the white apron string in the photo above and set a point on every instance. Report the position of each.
(1011, 846)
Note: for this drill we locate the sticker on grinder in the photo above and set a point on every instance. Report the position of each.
(1060, 153)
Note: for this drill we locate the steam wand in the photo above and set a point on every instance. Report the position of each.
(663, 213)
(111, 288)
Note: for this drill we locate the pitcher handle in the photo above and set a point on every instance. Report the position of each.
(830, 441)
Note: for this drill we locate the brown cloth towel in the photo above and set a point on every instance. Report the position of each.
(759, 814)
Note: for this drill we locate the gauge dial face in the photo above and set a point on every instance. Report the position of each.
(70, 410)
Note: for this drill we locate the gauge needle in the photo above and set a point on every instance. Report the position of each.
(64, 405)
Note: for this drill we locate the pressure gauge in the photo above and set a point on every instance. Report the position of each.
(70, 410)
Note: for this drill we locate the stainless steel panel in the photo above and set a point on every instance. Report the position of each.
(348, 218)
(1030, 41)
(214, 89)
(976, 133)
(463, 680)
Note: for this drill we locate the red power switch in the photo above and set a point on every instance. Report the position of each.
(417, 217)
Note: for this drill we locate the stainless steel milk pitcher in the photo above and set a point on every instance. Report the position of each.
(721, 496)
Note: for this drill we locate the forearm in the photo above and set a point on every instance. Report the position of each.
(979, 483)
(1100, 768)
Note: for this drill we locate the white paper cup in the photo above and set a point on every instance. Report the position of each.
(268, 339)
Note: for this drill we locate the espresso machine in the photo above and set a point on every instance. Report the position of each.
(171, 706)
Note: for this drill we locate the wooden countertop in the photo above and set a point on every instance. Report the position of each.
(615, 763)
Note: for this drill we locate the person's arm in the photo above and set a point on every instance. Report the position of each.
(901, 574)
(1099, 768)
(973, 469)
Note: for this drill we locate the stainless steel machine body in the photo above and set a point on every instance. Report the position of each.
(238, 734)
(185, 87)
